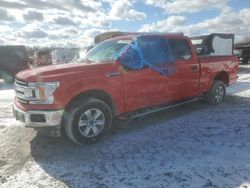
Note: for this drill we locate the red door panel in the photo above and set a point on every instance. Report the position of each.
(143, 88)
(184, 82)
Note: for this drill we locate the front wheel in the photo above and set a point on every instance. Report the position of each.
(87, 121)
(217, 93)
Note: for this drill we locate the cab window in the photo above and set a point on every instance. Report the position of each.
(180, 49)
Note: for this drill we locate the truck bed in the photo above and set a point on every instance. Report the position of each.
(209, 66)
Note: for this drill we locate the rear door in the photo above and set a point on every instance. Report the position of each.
(184, 83)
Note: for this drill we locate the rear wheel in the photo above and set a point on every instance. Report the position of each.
(87, 121)
(217, 93)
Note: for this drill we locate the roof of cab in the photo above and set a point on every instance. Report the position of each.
(128, 35)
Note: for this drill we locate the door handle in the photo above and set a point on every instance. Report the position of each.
(164, 71)
(112, 74)
(194, 67)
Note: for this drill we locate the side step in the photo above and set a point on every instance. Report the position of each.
(147, 111)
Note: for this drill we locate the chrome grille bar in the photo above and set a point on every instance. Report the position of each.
(20, 87)
(20, 82)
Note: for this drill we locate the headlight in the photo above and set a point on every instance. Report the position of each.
(41, 92)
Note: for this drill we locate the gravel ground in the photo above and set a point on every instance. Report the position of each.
(195, 145)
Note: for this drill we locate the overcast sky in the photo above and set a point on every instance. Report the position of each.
(70, 23)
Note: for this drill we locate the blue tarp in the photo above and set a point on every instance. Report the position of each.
(147, 50)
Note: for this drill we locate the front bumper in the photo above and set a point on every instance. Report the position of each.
(38, 118)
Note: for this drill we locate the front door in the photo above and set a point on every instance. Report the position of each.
(143, 82)
(143, 88)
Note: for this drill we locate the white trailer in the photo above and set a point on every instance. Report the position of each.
(63, 56)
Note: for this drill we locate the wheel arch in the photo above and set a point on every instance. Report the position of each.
(222, 76)
(94, 93)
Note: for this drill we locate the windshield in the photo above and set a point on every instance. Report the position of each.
(106, 51)
(80, 56)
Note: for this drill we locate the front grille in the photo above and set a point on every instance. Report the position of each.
(20, 88)
(20, 92)
(22, 101)
(20, 82)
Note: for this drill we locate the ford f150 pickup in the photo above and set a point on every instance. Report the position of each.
(127, 75)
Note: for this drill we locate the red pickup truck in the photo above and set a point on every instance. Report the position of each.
(128, 75)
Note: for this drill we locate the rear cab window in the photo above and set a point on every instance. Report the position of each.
(180, 49)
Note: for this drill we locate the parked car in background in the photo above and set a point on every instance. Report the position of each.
(238, 54)
(42, 57)
(12, 60)
(63, 55)
(244, 49)
(124, 76)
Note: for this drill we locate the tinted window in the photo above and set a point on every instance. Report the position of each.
(180, 49)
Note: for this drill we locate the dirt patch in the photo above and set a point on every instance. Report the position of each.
(15, 149)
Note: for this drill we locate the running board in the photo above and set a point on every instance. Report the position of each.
(157, 109)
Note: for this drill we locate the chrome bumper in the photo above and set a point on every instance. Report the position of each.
(38, 118)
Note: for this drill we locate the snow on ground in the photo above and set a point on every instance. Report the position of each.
(195, 145)
(6, 98)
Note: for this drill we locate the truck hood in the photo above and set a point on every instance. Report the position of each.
(52, 72)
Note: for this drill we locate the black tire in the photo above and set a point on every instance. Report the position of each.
(217, 93)
(7, 77)
(87, 121)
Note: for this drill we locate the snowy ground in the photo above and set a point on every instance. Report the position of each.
(195, 145)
